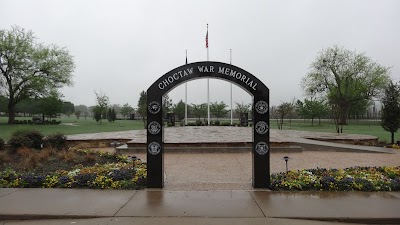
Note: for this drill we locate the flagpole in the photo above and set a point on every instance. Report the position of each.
(208, 83)
(186, 111)
(230, 62)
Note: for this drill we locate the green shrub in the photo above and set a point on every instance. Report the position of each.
(199, 123)
(191, 124)
(2, 144)
(217, 123)
(57, 140)
(26, 138)
(225, 123)
(169, 124)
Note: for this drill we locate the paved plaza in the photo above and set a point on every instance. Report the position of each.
(193, 170)
(190, 134)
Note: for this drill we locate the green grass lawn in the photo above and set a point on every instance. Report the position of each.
(70, 126)
(369, 127)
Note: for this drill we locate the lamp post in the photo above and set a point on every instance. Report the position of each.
(286, 158)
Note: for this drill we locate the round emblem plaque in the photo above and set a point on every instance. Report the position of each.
(154, 148)
(262, 148)
(154, 127)
(154, 107)
(261, 127)
(261, 107)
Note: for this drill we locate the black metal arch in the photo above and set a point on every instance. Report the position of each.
(236, 75)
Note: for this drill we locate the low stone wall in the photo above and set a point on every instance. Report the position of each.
(99, 143)
(363, 142)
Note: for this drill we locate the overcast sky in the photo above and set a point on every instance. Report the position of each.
(122, 47)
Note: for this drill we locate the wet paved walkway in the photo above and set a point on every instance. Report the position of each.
(191, 134)
(205, 207)
(233, 171)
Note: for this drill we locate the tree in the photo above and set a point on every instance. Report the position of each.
(51, 105)
(199, 110)
(344, 77)
(218, 109)
(78, 113)
(91, 111)
(390, 119)
(102, 103)
(113, 115)
(280, 112)
(312, 109)
(3, 104)
(179, 110)
(86, 114)
(117, 109)
(82, 109)
(242, 108)
(142, 106)
(167, 105)
(109, 115)
(28, 106)
(97, 113)
(30, 69)
(126, 110)
(358, 109)
(68, 108)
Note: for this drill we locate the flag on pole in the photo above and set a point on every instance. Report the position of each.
(207, 37)
(186, 109)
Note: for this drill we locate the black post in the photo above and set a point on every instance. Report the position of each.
(155, 144)
(261, 153)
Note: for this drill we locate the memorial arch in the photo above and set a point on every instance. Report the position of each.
(207, 69)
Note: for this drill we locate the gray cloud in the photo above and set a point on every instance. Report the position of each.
(122, 47)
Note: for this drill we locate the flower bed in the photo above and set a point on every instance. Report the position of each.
(123, 174)
(349, 179)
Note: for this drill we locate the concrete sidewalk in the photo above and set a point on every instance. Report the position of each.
(198, 207)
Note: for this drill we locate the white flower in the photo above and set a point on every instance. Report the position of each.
(74, 172)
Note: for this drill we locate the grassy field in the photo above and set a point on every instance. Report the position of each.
(70, 126)
(369, 127)
(74, 126)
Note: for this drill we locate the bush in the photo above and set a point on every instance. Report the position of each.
(217, 123)
(26, 138)
(2, 145)
(199, 123)
(5, 157)
(191, 124)
(24, 152)
(225, 123)
(57, 140)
